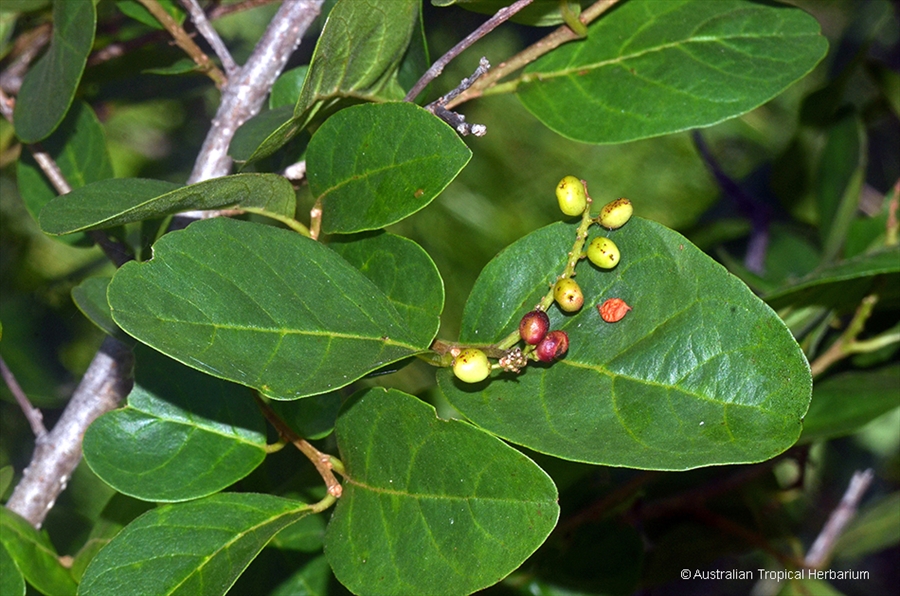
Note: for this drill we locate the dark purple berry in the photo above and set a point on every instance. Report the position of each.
(553, 346)
(534, 326)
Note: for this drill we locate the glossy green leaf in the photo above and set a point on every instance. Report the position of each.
(90, 298)
(844, 403)
(12, 582)
(375, 164)
(34, 556)
(842, 169)
(78, 147)
(273, 128)
(700, 372)
(311, 418)
(49, 86)
(114, 202)
(183, 434)
(307, 535)
(418, 489)
(885, 261)
(286, 89)
(356, 59)
(650, 68)
(405, 273)
(260, 306)
(199, 548)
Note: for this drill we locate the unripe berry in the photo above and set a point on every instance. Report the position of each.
(471, 366)
(616, 214)
(553, 346)
(613, 310)
(534, 326)
(603, 253)
(568, 295)
(571, 197)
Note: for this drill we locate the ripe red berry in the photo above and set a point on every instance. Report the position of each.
(553, 346)
(534, 326)
(613, 310)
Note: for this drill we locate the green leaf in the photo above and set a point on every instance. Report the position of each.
(78, 147)
(540, 13)
(311, 418)
(842, 170)
(310, 580)
(307, 535)
(182, 436)
(885, 261)
(6, 475)
(199, 548)
(34, 556)
(650, 68)
(844, 403)
(286, 89)
(405, 273)
(12, 582)
(700, 372)
(373, 165)
(418, 489)
(90, 298)
(265, 133)
(356, 59)
(180, 67)
(876, 528)
(114, 202)
(49, 86)
(260, 306)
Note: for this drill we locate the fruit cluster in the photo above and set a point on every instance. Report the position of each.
(472, 365)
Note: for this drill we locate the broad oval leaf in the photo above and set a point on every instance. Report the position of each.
(183, 435)
(649, 68)
(199, 548)
(418, 488)
(375, 164)
(90, 298)
(49, 87)
(109, 203)
(34, 555)
(700, 372)
(260, 306)
(405, 273)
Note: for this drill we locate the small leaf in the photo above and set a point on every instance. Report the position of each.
(375, 164)
(286, 89)
(260, 306)
(180, 67)
(651, 68)
(265, 133)
(90, 298)
(700, 372)
(182, 436)
(199, 548)
(310, 580)
(311, 418)
(78, 147)
(114, 202)
(885, 261)
(844, 403)
(307, 535)
(422, 489)
(49, 86)
(405, 273)
(34, 556)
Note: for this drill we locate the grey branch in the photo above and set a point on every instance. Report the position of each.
(820, 551)
(210, 35)
(248, 87)
(57, 453)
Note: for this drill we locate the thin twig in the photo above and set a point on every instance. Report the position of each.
(58, 452)
(226, 9)
(322, 461)
(438, 67)
(552, 41)
(25, 49)
(454, 119)
(843, 346)
(210, 35)
(32, 414)
(820, 552)
(184, 41)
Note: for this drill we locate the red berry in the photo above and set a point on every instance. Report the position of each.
(613, 310)
(553, 346)
(534, 326)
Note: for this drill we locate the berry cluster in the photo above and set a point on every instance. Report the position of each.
(472, 365)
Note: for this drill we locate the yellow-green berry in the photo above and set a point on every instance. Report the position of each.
(603, 253)
(616, 214)
(568, 295)
(471, 366)
(571, 197)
